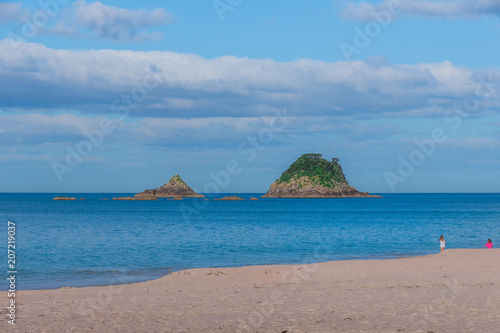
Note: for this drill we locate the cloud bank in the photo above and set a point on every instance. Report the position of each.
(467, 9)
(187, 85)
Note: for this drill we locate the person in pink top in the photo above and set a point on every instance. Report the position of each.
(488, 244)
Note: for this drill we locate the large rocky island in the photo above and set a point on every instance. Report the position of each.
(311, 176)
(175, 188)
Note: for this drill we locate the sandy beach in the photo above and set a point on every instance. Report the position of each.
(453, 291)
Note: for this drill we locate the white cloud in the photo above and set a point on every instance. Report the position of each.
(468, 9)
(119, 24)
(40, 129)
(9, 11)
(61, 29)
(92, 20)
(187, 85)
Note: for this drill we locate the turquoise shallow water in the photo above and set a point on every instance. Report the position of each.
(93, 242)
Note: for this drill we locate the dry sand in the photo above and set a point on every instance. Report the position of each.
(453, 291)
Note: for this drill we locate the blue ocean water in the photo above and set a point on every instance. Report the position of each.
(95, 242)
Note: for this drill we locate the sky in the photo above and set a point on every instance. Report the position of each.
(118, 96)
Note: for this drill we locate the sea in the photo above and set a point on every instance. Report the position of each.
(101, 242)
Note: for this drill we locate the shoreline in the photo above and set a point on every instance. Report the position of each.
(125, 275)
(452, 291)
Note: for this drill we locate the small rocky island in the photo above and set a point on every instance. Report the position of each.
(230, 198)
(64, 198)
(175, 188)
(311, 176)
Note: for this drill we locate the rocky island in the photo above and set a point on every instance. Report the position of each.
(230, 198)
(311, 176)
(175, 188)
(64, 198)
(133, 198)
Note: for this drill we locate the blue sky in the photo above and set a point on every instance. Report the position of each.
(117, 96)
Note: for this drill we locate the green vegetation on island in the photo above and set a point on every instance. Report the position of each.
(320, 171)
(311, 176)
(177, 178)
